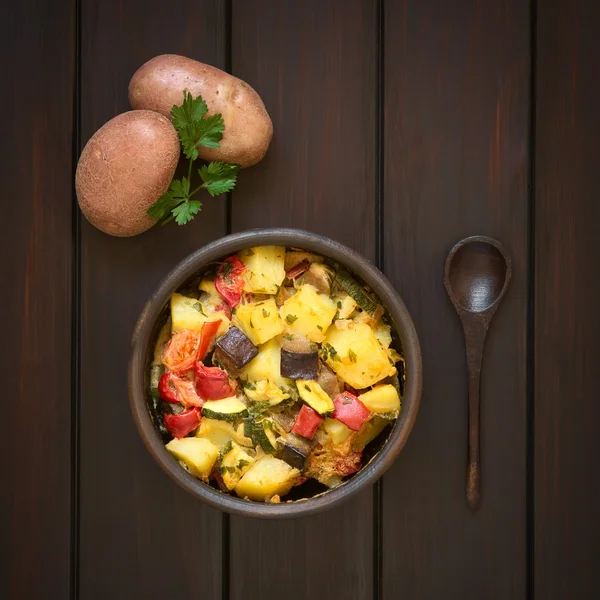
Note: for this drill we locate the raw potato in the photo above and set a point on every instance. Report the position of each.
(159, 84)
(123, 170)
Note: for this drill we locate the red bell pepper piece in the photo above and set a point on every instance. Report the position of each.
(212, 383)
(166, 388)
(181, 351)
(350, 411)
(229, 281)
(180, 425)
(207, 337)
(296, 271)
(186, 392)
(307, 422)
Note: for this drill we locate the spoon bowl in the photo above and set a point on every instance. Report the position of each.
(476, 275)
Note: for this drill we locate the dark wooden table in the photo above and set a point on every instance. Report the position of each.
(400, 127)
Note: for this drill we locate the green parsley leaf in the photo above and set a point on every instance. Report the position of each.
(320, 327)
(209, 131)
(185, 212)
(291, 318)
(249, 252)
(178, 192)
(265, 313)
(242, 463)
(190, 112)
(218, 177)
(351, 356)
(198, 307)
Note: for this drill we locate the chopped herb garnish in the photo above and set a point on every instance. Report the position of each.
(339, 304)
(242, 463)
(351, 356)
(307, 388)
(319, 327)
(198, 307)
(265, 313)
(291, 318)
(250, 252)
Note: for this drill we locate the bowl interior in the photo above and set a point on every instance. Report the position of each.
(311, 496)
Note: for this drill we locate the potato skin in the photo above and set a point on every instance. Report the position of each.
(123, 170)
(159, 84)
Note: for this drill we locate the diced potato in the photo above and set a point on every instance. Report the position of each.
(265, 391)
(346, 307)
(234, 465)
(189, 313)
(259, 321)
(220, 433)
(369, 431)
(267, 477)
(382, 399)
(338, 432)
(208, 286)
(356, 356)
(198, 455)
(308, 313)
(265, 266)
(266, 365)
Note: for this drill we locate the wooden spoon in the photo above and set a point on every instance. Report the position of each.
(476, 276)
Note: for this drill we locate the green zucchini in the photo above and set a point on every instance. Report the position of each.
(264, 434)
(227, 409)
(315, 396)
(155, 374)
(355, 290)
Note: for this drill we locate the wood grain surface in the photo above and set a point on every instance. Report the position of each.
(456, 159)
(567, 321)
(314, 65)
(36, 250)
(141, 536)
(449, 142)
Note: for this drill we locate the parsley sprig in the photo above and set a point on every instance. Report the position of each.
(195, 129)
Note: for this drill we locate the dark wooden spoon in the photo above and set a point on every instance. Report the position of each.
(476, 276)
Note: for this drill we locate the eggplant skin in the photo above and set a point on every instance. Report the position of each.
(293, 457)
(299, 365)
(237, 347)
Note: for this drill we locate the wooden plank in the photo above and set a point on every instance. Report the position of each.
(456, 163)
(314, 65)
(567, 322)
(141, 536)
(36, 268)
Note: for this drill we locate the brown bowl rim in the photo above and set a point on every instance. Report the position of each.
(371, 275)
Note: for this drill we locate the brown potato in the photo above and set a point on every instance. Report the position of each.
(123, 170)
(159, 84)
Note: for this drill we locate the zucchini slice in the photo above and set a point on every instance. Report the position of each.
(264, 433)
(356, 291)
(227, 409)
(315, 396)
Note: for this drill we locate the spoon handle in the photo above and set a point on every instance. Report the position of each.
(475, 339)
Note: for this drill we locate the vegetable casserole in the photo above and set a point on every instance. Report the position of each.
(274, 369)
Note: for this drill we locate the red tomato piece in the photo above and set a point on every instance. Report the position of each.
(180, 425)
(207, 337)
(350, 411)
(166, 388)
(186, 392)
(181, 351)
(212, 383)
(229, 281)
(298, 270)
(307, 422)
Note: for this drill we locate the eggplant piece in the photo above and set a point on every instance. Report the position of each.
(293, 457)
(319, 276)
(284, 294)
(299, 365)
(237, 347)
(329, 381)
(294, 450)
(221, 360)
